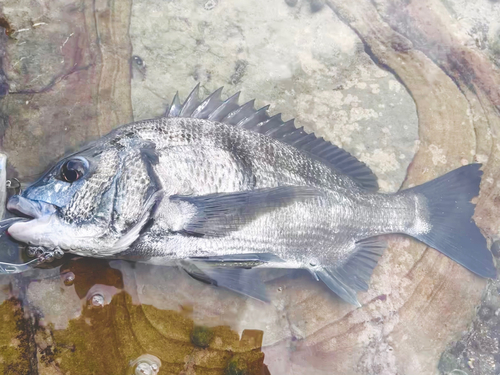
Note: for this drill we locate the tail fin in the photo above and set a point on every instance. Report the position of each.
(452, 231)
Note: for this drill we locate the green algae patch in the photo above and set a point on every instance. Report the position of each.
(225, 339)
(171, 349)
(106, 339)
(99, 341)
(110, 337)
(171, 324)
(248, 363)
(201, 336)
(237, 366)
(16, 344)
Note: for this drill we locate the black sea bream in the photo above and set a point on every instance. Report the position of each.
(220, 188)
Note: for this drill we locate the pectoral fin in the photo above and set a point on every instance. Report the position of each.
(218, 214)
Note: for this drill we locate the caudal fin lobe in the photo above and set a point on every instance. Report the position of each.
(449, 213)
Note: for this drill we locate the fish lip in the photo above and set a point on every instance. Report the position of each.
(29, 208)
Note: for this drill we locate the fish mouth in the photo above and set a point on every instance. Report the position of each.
(29, 208)
(34, 225)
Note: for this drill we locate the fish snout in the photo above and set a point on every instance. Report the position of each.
(27, 207)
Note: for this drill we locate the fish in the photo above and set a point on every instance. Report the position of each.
(224, 190)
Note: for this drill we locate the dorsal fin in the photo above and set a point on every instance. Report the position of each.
(175, 108)
(257, 120)
(209, 105)
(191, 103)
(225, 108)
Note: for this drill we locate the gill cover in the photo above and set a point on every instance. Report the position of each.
(94, 202)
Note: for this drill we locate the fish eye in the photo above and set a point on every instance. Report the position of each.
(73, 169)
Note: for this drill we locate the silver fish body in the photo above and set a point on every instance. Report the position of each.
(212, 158)
(224, 187)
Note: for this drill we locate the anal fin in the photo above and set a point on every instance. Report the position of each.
(353, 276)
(336, 285)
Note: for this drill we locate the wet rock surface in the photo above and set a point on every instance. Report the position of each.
(477, 352)
(67, 87)
(111, 334)
(411, 88)
(306, 64)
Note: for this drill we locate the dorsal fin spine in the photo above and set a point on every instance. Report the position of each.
(191, 103)
(255, 119)
(229, 112)
(239, 112)
(225, 108)
(276, 117)
(175, 107)
(204, 108)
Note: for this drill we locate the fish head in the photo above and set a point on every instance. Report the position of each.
(89, 202)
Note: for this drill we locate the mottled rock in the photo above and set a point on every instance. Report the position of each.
(477, 352)
(67, 65)
(16, 340)
(351, 72)
(427, 25)
(310, 66)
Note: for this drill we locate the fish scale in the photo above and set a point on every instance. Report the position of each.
(219, 188)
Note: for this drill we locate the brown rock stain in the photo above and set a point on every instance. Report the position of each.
(428, 297)
(85, 89)
(432, 303)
